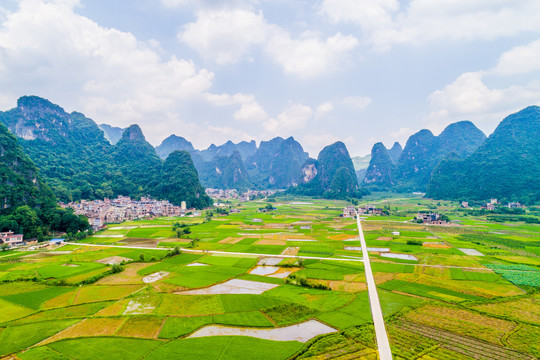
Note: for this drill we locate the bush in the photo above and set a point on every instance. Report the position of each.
(116, 268)
(414, 242)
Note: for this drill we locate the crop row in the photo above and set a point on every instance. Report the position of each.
(465, 345)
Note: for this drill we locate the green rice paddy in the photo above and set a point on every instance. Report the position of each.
(44, 316)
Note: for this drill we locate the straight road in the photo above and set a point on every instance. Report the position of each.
(378, 321)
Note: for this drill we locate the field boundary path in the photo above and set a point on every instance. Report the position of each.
(209, 252)
(383, 344)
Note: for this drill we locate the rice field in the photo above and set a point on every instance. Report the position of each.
(207, 302)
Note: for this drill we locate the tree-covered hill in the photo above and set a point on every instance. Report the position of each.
(424, 151)
(69, 149)
(277, 163)
(137, 163)
(395, 152)
(28, 205)
(173, 143)
(331, 176)
(180, 182)
(74, 157)
(506, 166)
(20, 182)
(381, 170)
(224, 172)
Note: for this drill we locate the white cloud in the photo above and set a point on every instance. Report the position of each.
(172, 4)
(228, 99)
(315, 141)
(47, 49)
(367, 13)
(295, 117)
(519, 60)
(357, 102)
(323, 110)
(385, 23)
(468, 97)
(225, 36)
(251, 112)
(106, 73)
(228, 36)
(308, 56)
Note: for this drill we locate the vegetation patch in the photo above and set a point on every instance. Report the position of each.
(141, 326)
(19, 337)
(34, 299)
(286, 314)
(225, 347)
(104, 348)
(190, 305)
(104, 293)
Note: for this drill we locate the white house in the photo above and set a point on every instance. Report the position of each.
(11, 239)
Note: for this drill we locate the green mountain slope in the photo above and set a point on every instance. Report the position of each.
(381, 170)
(137, 163)
(395, 152)
(20, 183)
(331, 176)
(173, 143)
(506, 166)
(224, 172)
(180, 182)
(69, 149)
(424, 151)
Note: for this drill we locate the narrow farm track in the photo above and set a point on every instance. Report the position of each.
(474, 348)
(209, 252)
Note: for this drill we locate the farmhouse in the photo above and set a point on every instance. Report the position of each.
(349, 211)
(11, 239)
(428, 218)
(370, 209)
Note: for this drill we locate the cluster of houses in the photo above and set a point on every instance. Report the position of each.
(234, 194)
(100, 212)
(430, 218)
(492, 204)
(370, 210)
(350, 211)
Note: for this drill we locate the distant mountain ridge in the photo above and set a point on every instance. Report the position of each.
(76, 159)
(332, 175)
(274, 164)
(412, 169)
(112, 134)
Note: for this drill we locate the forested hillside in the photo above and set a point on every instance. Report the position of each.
(506, 166)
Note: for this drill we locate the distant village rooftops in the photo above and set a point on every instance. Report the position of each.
(234, 194)
(100, 212)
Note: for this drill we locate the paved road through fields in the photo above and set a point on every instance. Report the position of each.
(378, 321)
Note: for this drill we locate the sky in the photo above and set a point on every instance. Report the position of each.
(359, 71)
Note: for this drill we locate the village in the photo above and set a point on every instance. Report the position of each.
(229, 194)
(101, 212)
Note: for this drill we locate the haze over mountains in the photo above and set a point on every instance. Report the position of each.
(80, 160)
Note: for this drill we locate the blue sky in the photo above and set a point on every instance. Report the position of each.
(359, 71)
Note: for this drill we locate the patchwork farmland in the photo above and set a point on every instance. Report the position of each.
(287, 284)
